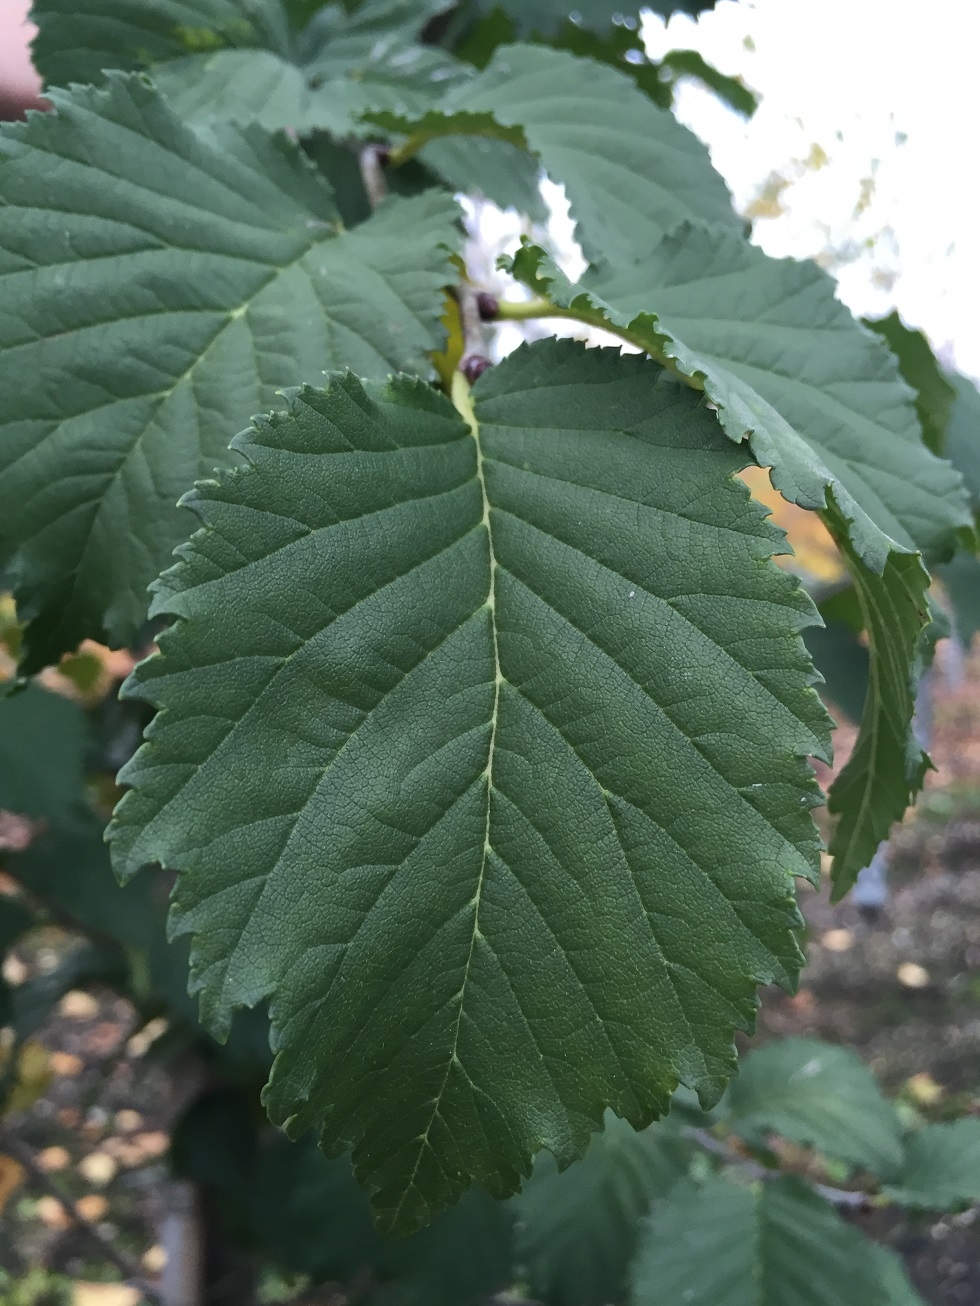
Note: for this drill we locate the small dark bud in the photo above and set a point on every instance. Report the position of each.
(487, 306)
(473, 366)
(383, 155)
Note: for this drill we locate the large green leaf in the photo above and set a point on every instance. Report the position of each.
(43, 741)
(934, 395)
(577, 1229)
(941, 1167)
(160, 286)
(630, 169)
(237, 59)
(773, 1244)
(821, 402)
(814, 1093)
(78, 39)
(453, 721)
(324, 79)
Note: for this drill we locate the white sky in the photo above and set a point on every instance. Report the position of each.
(888, 90)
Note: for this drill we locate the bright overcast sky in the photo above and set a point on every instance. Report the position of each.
(886, 89)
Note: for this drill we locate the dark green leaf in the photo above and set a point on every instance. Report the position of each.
(887, 766)
(309, 1215)
(453, 720)
(774, 1244)
(162, 286)
(941, 1167)
(934, 394)
(814, 1093)
(842, 660)
(577, 1229)
(688, 63)
(43, 743)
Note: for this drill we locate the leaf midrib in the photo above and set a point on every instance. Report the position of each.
(464, 405)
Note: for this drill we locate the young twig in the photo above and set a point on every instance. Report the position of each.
(843, 1197)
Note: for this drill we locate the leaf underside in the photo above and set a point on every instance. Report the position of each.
(820, 400)
(161, 285)
(631, 171)
(772, 1244)
(481, 752)
(816, 1094)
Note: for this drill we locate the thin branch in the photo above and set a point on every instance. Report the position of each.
(24, 1156)
(843, 1197)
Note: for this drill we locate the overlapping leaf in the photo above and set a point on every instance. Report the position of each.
(941, 1167)
(822, 404)
(238, 59)
(223, 60)
(78, 39)
(772, 1244)
(480, 753)
(630, 169)
(934, 395)
(813, 1093)
(577, 1229)
(159, 286)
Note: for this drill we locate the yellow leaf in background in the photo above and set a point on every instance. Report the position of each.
(104, 1294)
(11, 1177)
(815, 555)
(923, 1089)
(33, 1077)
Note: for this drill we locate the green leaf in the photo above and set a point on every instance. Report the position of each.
(308, 1215)
(963, 435)
(788, 367)
(435, 775)
(78, 39)
(774, 1244)
(941, 1167)
(961, 581)
(544, 17)
(577, 1229)
(814, 1093)
(887, 766)
(934, 394)
(43, 742)
(67, 867)
(838, 654)
(221, 60)
(498, 170)
(162, 285)
(630, 169)
(689, 63)
(791, 370)
(892, 1275)
(15, 919)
